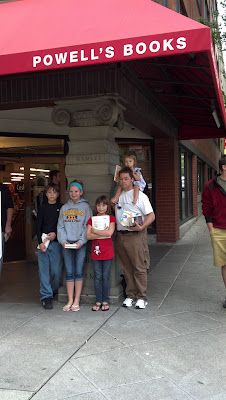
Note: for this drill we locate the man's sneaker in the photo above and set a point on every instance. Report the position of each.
(47, 304)
(224, 303)
(127, 302)
(141, 303)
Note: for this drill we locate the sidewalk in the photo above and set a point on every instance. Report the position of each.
(174, 349)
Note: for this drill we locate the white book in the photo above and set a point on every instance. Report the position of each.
(70, 246)
(116, 176)
(101, 222)
(45, 240)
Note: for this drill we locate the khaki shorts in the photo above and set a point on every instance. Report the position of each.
(218, 239)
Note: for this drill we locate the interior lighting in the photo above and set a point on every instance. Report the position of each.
(20, 174)
(36, 169)
(39, 170)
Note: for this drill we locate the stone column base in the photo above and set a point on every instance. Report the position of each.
(88, 292)
(116, 296)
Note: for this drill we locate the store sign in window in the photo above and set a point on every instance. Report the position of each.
(32, 146)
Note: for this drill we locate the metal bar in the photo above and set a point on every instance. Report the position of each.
(178, 83)
(171, 65)
(184, 96)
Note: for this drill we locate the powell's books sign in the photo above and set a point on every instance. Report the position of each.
(99, 54)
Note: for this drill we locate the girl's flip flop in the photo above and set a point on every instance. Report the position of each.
(75, 308)
(105, 307)
(96, 307)
(67, 307)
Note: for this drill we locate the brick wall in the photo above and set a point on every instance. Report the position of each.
(209, 148)
(167, 190)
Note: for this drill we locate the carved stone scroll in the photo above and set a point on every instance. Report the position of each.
(96, 112)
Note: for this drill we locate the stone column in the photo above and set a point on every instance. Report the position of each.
(93, 154)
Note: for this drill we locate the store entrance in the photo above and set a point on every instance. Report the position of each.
(26, 177)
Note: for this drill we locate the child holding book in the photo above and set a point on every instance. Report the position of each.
(139, 182)
(50, 259)
(100, 230)
(71, 232)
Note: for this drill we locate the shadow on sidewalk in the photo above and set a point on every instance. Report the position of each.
(157, 252)
(19, 282)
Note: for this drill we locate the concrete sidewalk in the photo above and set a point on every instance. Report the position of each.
(174, 349)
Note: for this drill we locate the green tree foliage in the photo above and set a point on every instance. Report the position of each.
(223, 30)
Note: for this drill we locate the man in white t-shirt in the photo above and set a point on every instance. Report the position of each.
(132, 219)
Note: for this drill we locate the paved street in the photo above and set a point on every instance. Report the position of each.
(174, 349)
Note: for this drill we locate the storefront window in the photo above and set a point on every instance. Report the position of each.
(209, 173)
(185, 185)
(181, 8)
(200, 176)
(200, 6)
(206, 11)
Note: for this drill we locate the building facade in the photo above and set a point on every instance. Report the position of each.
(197, 159)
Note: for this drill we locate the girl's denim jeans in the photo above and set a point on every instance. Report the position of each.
(102, 276)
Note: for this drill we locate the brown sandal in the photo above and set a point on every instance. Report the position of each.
(105, 307)
(96, 307)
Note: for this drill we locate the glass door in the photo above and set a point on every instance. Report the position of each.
(25, 179)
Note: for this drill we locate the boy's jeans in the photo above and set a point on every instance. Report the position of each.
(50, 265)
(102, 274)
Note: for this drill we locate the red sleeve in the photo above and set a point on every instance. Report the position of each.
(207, 204)
(89, 222)
(112, 219)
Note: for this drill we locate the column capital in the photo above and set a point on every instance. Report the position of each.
(99, 111)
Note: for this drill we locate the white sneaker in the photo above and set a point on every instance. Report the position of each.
(127, 302)
(141, 303)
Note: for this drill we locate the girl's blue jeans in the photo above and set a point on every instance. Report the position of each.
(102, 276)
(50, 265)
(74, 263)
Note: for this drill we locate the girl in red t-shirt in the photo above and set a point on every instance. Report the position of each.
(100, 230)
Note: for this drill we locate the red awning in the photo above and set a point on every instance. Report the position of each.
(172, 54)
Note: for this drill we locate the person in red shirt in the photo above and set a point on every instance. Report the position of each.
(100, 230)
(214, 210)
